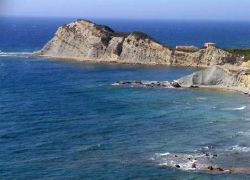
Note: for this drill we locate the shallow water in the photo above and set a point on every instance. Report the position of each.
(63, 119)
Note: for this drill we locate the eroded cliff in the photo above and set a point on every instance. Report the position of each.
(212, 76)
(83, 40)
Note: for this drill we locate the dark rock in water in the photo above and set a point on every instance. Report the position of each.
(138, 82)
(193, 165)
(194, 86)
(149, 83)
(203, 163)
(210, 168)
(175, 84)
(219, 169)
(177, 166)
(121, 82)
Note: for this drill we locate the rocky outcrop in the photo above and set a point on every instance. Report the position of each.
(212, 76)
(223, 77)
(83, 40)
(198, 162)
(204, 57)
(139, 83)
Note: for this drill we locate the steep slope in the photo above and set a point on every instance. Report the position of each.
(226, 77)
(83, 40)
(204, 57)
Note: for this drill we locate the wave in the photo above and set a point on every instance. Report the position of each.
(201, 98)
(243, 133)
(238, 148)
(15, 54)
(234, 109)
(186, 162)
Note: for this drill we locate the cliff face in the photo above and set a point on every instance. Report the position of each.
(203, 57)
(212, 76)
(83, 40)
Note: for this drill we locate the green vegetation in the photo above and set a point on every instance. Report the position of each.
(121, 34)
(241, 52)
(188, 50)
(141, 35)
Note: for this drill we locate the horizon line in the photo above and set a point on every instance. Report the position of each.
(122, 18)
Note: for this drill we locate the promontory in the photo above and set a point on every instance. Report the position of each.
(83, 40)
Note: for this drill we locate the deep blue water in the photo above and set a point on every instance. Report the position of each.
(26, 34)
(64, 120)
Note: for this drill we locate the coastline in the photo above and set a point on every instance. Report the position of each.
(222, 88)
(243, 90)
(58, 113)
(95, 61)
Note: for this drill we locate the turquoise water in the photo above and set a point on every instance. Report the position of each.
(64, 120)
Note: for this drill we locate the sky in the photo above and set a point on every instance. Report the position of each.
(130, 9)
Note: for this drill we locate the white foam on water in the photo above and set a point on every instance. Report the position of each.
(163, 154)
(201, 98)
(238, 148)
(115, 84)
(234, 109)
(15, 54)
(184, 161)
(243, 133)
(247, 119)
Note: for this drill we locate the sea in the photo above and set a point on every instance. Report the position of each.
(65, 119)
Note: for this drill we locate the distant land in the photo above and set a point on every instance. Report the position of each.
(84, 40)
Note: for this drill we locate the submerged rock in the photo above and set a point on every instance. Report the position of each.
(198, 162)
(212, 77)
(192, 162)
(148, 84)
(175, 84)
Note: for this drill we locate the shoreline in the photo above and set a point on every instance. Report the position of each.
(94, 61)
(243, 90)
(221, 88)
(176, 85)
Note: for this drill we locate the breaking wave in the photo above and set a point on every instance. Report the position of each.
(15, 54)
(235, 109)
(238, 148)
(201, 98)
(182, 161)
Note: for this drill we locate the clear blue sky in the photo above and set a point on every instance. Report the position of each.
(130, 9)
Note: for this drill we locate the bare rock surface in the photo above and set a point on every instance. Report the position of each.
(198, 162)
(139, 83)
(85, 41)
(212, 76)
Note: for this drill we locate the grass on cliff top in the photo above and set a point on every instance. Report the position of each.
(240, 52)
(187, 50)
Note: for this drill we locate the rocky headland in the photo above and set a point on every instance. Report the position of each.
(83, 40)
(220, 77)
(86, 41)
